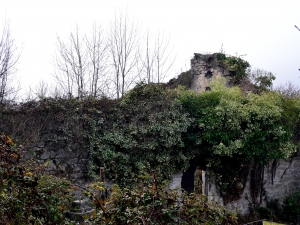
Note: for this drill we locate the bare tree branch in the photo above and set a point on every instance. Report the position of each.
(81, 64)
(123, 42)
(98, 62)
(8, 61)
(97, 66)
(288, 90)
(156, 59)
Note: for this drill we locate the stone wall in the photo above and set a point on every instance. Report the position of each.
(70, 161)
(204, 69)
(285, 181)
(278, 185)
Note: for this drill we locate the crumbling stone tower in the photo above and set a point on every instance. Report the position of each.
(205, 68)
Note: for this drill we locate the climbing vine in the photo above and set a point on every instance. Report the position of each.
(234, 64)
(143, 133)
(155, 128)
(229, 126)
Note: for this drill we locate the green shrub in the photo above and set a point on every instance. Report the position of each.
(291, 205)
(145, 205)
(27, 194)
(231, 130)
(142, 133)
(234, 64)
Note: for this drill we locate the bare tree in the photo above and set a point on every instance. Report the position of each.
(81, 64)
(146, 60)
(156, 59)
(70, 62)
(299, 30)
(288, 90)
(97, 63)
(123, 43)
(163, 59)
(41, 90)
(9, 57)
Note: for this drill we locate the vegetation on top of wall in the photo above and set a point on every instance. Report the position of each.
(184, 79)
(156, 128)
(129, 137)
(261, 79)
(146, 134)
(229, 125)
(234, 64)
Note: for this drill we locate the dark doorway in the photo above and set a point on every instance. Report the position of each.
(188, 177)
(187, 182)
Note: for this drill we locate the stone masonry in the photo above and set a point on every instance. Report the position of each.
(278, 185)
(204, 69)
(68, 161)
(72, 161)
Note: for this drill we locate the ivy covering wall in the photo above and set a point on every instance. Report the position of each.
(237, 132)
(143, 133)
(156, 128)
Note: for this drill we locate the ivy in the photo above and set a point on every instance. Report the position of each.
(229, 125)
(145, 134)
(155, 128)
(234, 64)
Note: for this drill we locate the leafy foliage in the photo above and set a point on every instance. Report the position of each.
(137, 134)
(263, 80)
(154, 128)
(291, 205)
(145, 205)
(277, 211)
(145, 134)
(234, 64)
(27, 195)
(228, 124)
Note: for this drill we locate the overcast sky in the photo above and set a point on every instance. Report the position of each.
(262, 30)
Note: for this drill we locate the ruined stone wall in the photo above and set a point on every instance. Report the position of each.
(278, 185)
(285, 181)
(71, 161)
(204, 69)
(62, 159)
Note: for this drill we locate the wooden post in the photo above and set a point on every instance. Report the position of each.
(154, 181)
(203, 182)
(102, 174)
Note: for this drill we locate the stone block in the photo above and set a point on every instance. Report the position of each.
(73, 161)
(63, 166)
(83, 154)
(77, 175)
(79, 168)
(52, 155)
(175, 183)
(45, 155)
(56, 145)
(40, 144)
(47, 137)
(84, 161)
(65, 154)
(51, 166)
